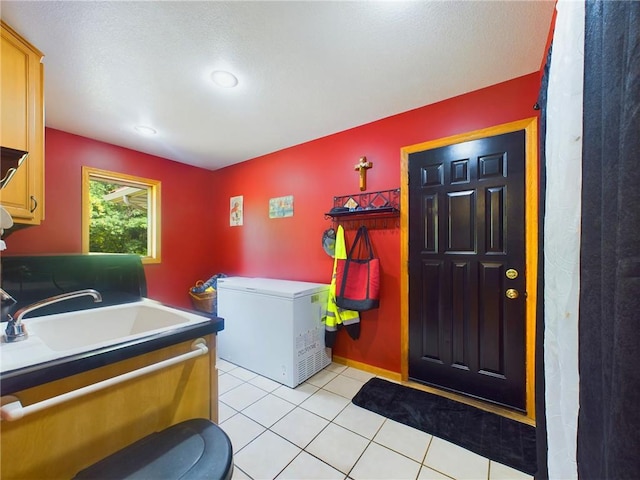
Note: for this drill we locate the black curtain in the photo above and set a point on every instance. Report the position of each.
(541, 420)
(609, 328)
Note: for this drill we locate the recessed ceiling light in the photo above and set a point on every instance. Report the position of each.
(143, 130)
(224, 79)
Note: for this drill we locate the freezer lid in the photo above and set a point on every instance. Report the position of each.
(271, 286)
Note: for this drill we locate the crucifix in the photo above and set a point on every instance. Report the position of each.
(363, 166)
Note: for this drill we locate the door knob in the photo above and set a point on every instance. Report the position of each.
(511, 293)
(511, 273)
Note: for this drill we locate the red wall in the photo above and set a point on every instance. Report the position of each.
(187, 235)
(316, 171)
(198, 241)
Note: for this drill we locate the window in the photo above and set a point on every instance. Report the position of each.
(120, 214)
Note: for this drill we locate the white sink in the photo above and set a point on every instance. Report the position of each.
(61, 335)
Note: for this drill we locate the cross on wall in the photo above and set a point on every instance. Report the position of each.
(362, 167)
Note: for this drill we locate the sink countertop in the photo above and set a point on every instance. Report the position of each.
(39, 373)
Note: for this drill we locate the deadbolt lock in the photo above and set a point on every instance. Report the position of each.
(511, 273)
(512, 293)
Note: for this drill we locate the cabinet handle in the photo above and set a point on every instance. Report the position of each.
(35, 204)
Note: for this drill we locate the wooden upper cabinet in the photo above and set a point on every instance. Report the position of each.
(22, 127)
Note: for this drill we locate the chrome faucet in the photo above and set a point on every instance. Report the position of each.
(14, 331)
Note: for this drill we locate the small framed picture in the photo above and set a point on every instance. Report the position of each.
(235, 211)
(281, 207)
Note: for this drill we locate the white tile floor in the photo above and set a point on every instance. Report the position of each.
(315, 432)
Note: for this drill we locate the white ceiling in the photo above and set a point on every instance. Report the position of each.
(305, 69)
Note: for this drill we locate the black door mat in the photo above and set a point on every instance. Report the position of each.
(497, 438)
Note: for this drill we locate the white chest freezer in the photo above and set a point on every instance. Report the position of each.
(273, 327)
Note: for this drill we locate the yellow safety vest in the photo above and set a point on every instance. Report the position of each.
(336, 315)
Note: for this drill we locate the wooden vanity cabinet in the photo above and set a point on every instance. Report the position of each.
(60, 441)
(22, 127)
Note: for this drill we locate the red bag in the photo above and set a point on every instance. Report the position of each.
(358, 279)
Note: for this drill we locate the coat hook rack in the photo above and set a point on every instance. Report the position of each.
(379, 209)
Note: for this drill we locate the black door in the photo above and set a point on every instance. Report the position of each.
(466, 268)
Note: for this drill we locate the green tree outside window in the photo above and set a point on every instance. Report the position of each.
(121, 214)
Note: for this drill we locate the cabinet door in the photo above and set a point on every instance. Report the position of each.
(22, 127)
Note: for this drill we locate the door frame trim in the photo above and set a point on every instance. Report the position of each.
(532, 193)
